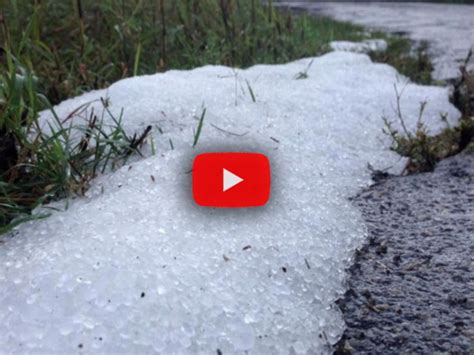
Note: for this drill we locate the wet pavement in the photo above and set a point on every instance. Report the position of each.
(448, 28)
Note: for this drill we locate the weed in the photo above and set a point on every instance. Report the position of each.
(425, 151)
(463, 95)
(58, 159)
(252, 95)
(304, 74)
(197, 134)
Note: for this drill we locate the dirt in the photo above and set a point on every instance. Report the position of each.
(411, 287)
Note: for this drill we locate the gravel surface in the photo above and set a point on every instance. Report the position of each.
(411, 288)
(448, 28)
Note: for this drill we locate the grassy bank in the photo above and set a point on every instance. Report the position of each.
(77, 46)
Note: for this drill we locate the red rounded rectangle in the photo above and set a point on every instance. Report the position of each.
(231, 179)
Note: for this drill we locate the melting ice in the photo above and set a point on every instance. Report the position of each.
(137, 267)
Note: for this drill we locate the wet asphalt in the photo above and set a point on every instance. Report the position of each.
(447, 28)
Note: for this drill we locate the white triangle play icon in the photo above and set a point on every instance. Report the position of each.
(230, 179)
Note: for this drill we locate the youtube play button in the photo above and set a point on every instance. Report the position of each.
(231, 179)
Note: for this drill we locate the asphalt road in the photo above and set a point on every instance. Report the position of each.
(411, 287)
(448, 28)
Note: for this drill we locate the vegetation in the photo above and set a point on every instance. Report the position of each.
(425, 151)
(414, 64)
(76, 46)
(39, 164)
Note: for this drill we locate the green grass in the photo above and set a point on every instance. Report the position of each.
(197, 133)
(411, 62)
(77, 46)
(46, 163)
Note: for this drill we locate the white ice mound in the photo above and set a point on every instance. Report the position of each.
(369, 45)
(136, 267)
